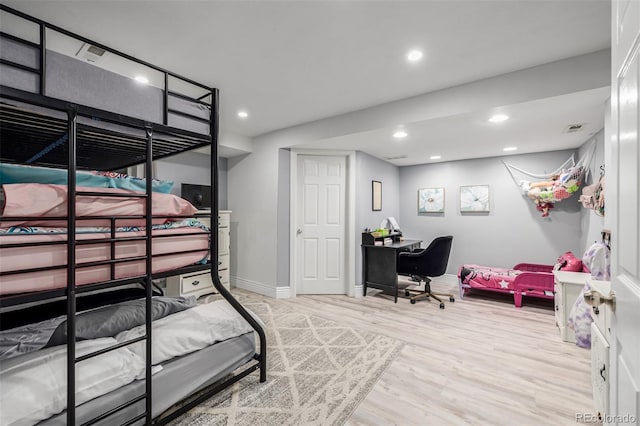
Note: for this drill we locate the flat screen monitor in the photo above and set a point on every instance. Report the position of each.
(198, 195)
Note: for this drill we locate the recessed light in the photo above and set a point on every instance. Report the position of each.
(499, 118)
(243, 114)
(435, 157)
(510, 148)
(414, 55)
(400, 134)
(141, 79)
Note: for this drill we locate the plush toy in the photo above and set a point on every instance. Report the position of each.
(544, 208)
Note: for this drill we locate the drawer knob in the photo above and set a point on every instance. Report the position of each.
(219, 263)
(596, 310)
(196, 282)
(557, 309)
(602, 371)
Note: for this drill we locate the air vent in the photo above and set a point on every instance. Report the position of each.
(572, 128)
(398, 157)
(90, 53)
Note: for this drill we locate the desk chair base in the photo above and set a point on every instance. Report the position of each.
(420, 294)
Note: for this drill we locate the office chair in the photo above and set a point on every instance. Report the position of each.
(424, 264)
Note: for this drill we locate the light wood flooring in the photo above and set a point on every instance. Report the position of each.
(480, 361)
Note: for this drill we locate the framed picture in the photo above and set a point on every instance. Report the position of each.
(474, 198)
(430, 200)
(376, 195)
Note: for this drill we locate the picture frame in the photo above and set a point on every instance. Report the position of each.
(376, 195)
(431, 200)
(475, 199)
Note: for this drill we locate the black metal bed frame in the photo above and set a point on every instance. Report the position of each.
(78, 136)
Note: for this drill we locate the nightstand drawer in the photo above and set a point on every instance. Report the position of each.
(223, 262)
(223, 220)
(196, 283)
(224, 278)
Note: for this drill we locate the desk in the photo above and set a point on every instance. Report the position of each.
(379, 265)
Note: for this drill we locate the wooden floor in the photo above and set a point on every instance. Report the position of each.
(480, 361)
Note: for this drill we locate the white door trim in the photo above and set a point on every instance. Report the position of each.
(350, 243)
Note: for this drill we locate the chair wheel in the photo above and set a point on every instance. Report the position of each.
(451, 299)
(442, 306)
(413, 301)
(407, 293)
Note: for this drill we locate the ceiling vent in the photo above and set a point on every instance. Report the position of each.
(398, 157)
(90, 53)
(572, 128)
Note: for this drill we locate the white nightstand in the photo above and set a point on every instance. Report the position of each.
(200, 283)
(567, 288)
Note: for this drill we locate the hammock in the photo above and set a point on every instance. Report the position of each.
(550, 188)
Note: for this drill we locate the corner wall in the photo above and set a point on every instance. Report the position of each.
(369, 168)
(512, 232)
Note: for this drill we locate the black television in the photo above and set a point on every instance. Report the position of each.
(198, 195)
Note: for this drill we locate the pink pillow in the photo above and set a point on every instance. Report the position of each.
(45, 200)
(568, 262)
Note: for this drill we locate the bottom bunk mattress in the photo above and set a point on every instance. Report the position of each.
(178, 379)
(192, 347)
(171, 249)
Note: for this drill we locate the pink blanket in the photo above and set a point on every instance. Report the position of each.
(483, 277)
(166, 251)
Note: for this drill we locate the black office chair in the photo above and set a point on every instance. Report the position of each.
(424, 264)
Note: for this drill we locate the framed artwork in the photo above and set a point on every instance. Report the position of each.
(430, 200)
(474, 198)
(376, 195)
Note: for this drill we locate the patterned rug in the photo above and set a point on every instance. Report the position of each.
(318, 371)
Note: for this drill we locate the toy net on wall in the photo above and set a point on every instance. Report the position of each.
(550, 188)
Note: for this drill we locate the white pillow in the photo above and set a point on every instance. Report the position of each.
(33, 387)
(189, 330)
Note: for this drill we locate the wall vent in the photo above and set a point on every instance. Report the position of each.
(572, 128)
(90, 53)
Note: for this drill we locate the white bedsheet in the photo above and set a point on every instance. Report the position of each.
(189, 331)
(33, 387)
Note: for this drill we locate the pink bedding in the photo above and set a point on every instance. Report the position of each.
(476, 276)
(44, 200)
(17, 258)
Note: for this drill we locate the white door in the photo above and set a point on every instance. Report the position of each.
(320, 225)
(622, 204)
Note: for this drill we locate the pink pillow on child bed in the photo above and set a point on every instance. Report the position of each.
(568, 262)
(45, 200)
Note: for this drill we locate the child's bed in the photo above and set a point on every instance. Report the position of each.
(524, 279)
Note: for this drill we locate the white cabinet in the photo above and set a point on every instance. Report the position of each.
(200, 283)
(567, 288)
(600, 338)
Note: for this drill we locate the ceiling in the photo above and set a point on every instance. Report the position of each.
(293, 62)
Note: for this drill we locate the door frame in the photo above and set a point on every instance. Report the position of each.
(350, 216)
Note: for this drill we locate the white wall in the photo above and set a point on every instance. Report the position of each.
(512, 232)
(369, 168)
(591, 224)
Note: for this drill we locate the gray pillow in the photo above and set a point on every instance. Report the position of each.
(108, 321)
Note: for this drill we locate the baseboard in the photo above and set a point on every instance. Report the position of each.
(449, 279)
(261, 288)
(358, 291)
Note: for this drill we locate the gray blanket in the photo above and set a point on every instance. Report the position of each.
(106, 321)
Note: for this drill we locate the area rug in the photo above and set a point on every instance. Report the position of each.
(318, 371)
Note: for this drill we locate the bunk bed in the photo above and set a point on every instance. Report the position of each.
(85, 275)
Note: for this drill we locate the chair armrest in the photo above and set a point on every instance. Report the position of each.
(411, 254)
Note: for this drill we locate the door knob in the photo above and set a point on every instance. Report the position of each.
(299, 231)
(595, 298)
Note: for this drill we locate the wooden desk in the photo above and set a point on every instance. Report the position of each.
(379, 265)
